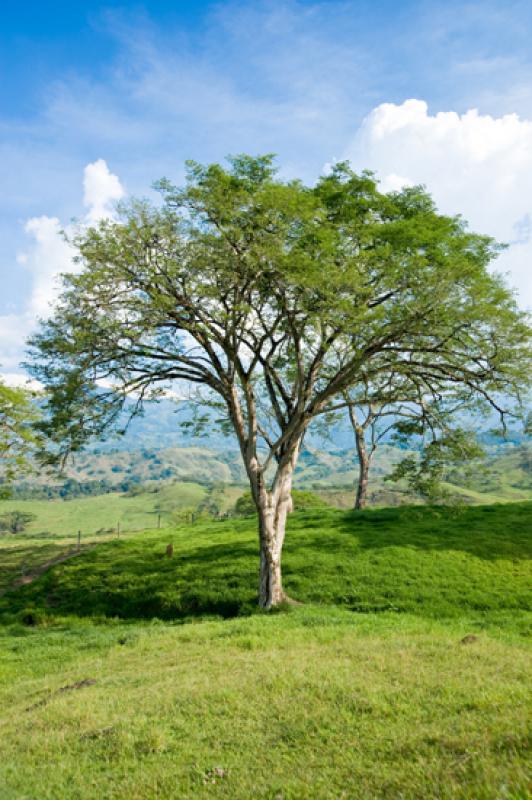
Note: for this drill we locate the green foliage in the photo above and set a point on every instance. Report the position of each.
(425, 474)
(18, 437)
(245, 505)
(273, 298)
(16, 521)
(326, 286)
(301, 499)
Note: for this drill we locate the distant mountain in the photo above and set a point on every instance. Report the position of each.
(506, 473)
(159, 427)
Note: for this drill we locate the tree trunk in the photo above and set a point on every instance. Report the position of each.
(273, 508)
(272, 526)
(363, 469)
(270, 581)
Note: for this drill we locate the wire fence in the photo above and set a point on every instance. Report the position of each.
(26, 555)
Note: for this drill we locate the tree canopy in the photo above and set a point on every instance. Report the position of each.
(275, 298)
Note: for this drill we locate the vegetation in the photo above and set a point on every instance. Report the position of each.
(16, 521)
(274, 299)
(395, 407)
(425, 473)
(301, 499)
(18, 438)
(404, 674)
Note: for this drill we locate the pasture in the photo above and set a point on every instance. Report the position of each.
(402, 674)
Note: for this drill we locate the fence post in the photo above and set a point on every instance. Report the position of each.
(159, 521)
(79, 540)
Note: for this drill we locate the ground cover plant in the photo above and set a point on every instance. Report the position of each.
(403, 674)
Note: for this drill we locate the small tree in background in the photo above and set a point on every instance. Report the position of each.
(275, 298)
(18, 438)
(426, 472)
(402, 410)
(16, 521)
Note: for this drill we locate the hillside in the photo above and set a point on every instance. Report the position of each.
(505, 474)
(404, 674)
(434, 561)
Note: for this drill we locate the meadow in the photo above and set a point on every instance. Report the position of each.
(403, 673)
(106, 511)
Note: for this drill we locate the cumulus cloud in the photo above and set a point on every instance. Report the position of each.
(100, 190)
(47, 256)
(473, 164)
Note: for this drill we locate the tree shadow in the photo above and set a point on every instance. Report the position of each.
(127, 581)
(421, 560)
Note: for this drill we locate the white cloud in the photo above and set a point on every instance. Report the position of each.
(473, 164)
(100, 190)
(16, 380)
(47, 257)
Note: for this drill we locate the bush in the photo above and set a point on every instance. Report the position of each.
(16, 521)
(245, 507)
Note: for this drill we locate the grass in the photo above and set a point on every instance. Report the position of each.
(128, 674)
(434, 562)
(90, 514)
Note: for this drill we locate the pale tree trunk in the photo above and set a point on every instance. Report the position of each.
(363, 468)
(271, 537)
(273, 508)
(272, 527)
(273, 505)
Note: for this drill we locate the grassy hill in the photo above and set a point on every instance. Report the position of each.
(404, 674)
(506, 475)
(130, 511)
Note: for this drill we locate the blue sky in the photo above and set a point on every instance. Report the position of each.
(137, 89)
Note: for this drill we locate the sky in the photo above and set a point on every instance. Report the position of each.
(99, 100)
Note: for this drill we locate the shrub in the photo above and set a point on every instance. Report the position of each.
(245, 507)
(16, 521)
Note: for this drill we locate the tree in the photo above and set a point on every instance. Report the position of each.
(274, 298)
(16, 521)
(18, 438)
(402, 408)
(426, 474)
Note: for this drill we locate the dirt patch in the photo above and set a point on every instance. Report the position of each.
(71, 687)
(469, 639)
(24, 580)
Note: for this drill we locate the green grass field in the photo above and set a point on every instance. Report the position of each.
(90, 514)
(403, 674)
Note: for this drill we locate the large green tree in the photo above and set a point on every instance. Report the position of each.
(274, 298)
